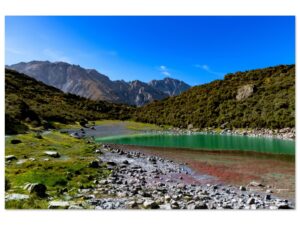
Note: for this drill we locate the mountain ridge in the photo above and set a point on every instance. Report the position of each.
(91, 84)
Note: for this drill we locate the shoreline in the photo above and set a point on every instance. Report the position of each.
(282, 134)
(140, 180)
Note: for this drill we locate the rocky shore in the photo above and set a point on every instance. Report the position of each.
(284, 133)
(140, 181)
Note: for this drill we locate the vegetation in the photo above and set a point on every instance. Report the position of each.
(270, 103)
(71, 170)
(30, 104)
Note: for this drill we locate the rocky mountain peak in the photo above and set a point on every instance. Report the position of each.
(91, 84)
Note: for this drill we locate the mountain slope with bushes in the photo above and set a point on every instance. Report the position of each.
(30, 103)
(261, 98)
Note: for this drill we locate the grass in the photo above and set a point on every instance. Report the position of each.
(70, 171)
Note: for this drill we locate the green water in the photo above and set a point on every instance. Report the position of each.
(207, 142)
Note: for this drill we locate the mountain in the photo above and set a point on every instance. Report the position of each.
(169, 86)
(30, 103)
(262, 98)
(91, 84)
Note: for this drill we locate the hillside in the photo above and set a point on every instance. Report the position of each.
(262, 98)
(30, 103)
(91, 84)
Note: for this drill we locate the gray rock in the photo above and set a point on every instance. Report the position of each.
(201, 205)
(255, 184)
(251, 201)
(10, 157)
(58, 205)
(150, 204)
(244, 92)
(242, 188)
(283, 205)
(131, 205)
(267, 197)
(36, 188)
(75, 207)
(16, 197)
(174, 204)
(52, 154)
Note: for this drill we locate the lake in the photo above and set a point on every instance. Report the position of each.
(206, 142)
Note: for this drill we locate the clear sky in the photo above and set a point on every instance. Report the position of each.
(196, 50)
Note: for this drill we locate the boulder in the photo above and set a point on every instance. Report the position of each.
(94, 164)
(242, 188)
(111, 163)
(16, 197)
(10, 157)
(250, 201)
(244, 92)
(149, 204)
(52, 154)
(58, 205)
(190, 126)
(201, 205)
(37, 189)
(15, 141)
(255, 184)
(131, 205)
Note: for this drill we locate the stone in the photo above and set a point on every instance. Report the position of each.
(242, 188)
(201, 205)
(15, 141)
(111, 163)
(149, 204)
(131, 205)
(255, 184)
(267, 197)
(174, 205)
(167, 198)
(269, 191)
(190, 126)
(52, 154)
(10, 158)
(75, 207)
(36, 188)
(97, 151)
(125, 162)
(250, 201)
(58, 205)
(283, 206)
(244, 92)
(16, 197)
(94, 164)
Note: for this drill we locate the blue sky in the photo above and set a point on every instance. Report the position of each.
(196, 50)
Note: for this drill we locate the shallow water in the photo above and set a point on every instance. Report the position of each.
(206, 142)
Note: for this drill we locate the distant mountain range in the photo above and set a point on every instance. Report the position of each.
(91, 84)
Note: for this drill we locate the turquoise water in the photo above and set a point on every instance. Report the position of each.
(207, 142)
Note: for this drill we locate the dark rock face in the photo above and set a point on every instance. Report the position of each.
(91, 84)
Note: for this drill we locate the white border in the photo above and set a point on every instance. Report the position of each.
(140, 7)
